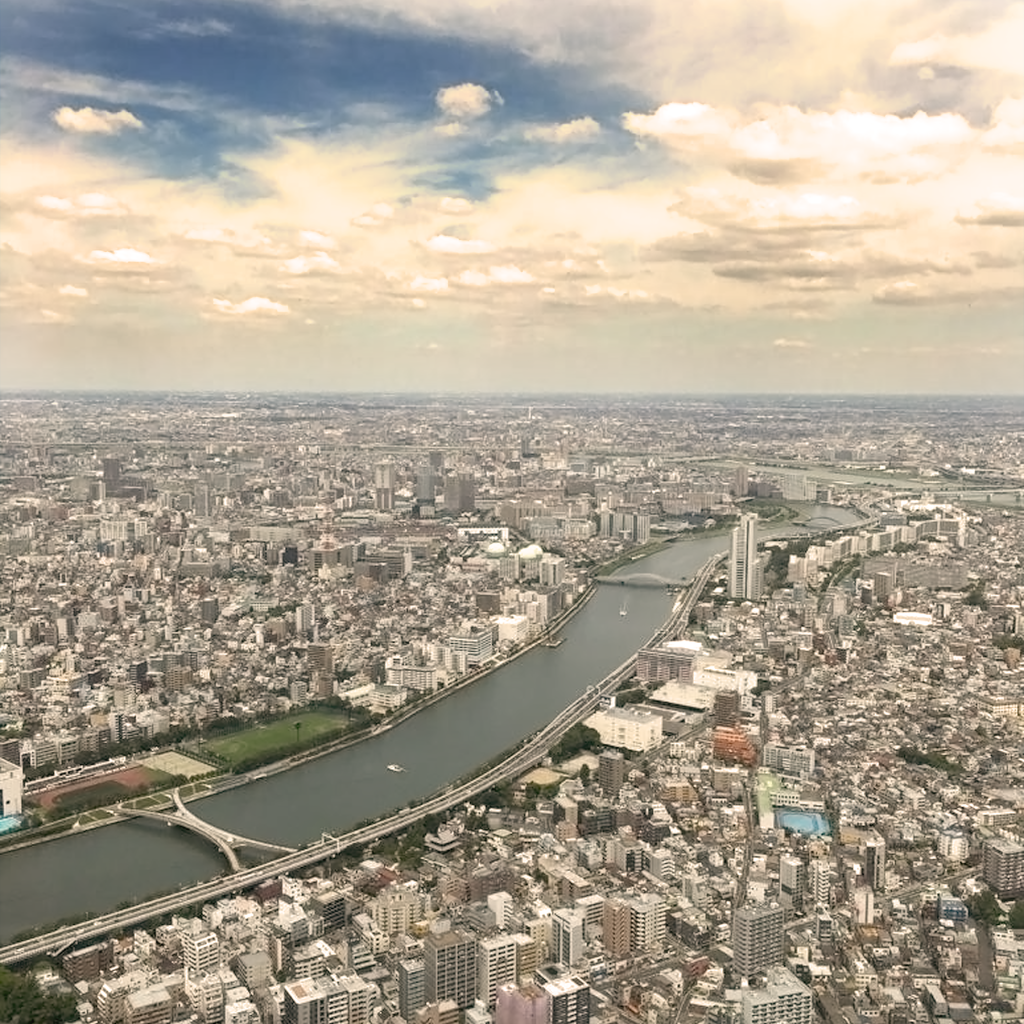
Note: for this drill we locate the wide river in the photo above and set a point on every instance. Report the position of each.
(97, 870)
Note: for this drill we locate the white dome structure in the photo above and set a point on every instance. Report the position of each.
(495, 549)
(531, 553)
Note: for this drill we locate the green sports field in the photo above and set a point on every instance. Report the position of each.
(276, 736)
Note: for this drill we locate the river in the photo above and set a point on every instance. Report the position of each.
(95, 871)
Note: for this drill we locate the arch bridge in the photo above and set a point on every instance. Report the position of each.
(227, 842)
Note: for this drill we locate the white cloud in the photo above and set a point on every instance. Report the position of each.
(89, 119)
(899, 293)
(316, 263)
(465, 102)
(377, 214)
(249, 240)
(51, 316)
(316, 240)
(428, 284)
(495, 275)
(257, 305)
(122, 257)
(996, 210)
(451, 246)
(789, 142)
(71, 291)
(451, 129)
(90, 204)
(569, 131)
(688, 120)
(509, 275)
(197, 27)
(995, 46)
(773, 210)
(450, 204)
(791, 343)
(1007, 131)
(619, 294)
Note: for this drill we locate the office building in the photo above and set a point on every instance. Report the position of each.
(611, 772)
(647, 922)
(672, 661)
(757, 938)
(820, 882)
(570, 999)
(567, 935)
(344, 1000)
(151, 1005)
(792, 882)
(87, 964)
(496, 966)
(628, 728)
(746, 575)
(788, 760)
(450, 965)
(727, 708)
(411, 974)
(784, 1000)
(476, 642)
(953, 845)
(616, 928)
(522, 1004)
(873, 851)
(200, 952)
(384, 486)
(459, 492)
(12, 784)
(1002, 867)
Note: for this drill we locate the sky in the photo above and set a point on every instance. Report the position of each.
(674, 196)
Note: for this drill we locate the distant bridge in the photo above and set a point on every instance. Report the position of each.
(816, 520)
(640, 579)
(226, 842)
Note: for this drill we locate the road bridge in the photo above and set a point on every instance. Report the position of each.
(226, 842)
(529, 754)
(639, 579)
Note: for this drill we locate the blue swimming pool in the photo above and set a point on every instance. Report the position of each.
(807, 823)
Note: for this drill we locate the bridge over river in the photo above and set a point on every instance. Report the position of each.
(639, 579)
(227, 842)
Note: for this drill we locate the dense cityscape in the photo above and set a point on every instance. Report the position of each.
(800, 797)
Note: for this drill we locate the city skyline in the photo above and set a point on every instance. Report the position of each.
(457, 197)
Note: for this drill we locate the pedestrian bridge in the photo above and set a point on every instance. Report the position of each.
(227, 842)
(639, 579)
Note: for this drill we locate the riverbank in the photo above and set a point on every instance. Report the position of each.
(217, 784)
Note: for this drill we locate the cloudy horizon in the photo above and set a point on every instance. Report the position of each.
(456, 196)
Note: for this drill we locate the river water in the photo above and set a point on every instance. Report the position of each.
(97, 870)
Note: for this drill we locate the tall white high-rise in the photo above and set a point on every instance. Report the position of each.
(746, 576)
(496, 966)
(820, 875)
(567, 935)
(792, 882)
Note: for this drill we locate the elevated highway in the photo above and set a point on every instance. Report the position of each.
(525, 757)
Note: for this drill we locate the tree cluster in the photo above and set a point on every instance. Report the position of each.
(22, 1001)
